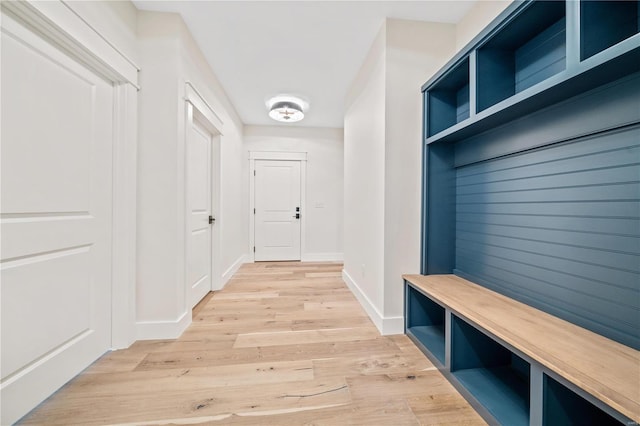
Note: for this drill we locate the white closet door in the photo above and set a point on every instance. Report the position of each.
(56, 208)
(199, 238)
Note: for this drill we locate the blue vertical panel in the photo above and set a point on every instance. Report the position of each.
(559, 228)
(439, 256)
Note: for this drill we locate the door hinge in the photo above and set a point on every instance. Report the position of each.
(254, 249)
(254, 211)
(254, 172)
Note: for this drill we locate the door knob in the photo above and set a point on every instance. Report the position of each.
(211, 220)
(297, 216)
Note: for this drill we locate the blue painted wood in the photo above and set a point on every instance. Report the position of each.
(462, 103)
(515, 230)
(470, 348)
(439, 217)
(562, 407)
(495, 376)
(448, 99)
(610, 106)
(500, 391)
(498, 101)
(542, 57)
(432, 337)
(605, 23)
(530, 49)
(425, 320)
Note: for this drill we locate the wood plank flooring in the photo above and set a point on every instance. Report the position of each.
(284, 343)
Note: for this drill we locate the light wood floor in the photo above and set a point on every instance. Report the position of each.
(283, 343)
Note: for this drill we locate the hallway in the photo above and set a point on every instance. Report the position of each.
(283, 343)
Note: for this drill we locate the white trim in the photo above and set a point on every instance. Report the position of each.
(322, 257)
(386, 326)
(228, 274)
(123, 293)
(278, 156)
(152, 330)
(193, 96)
(57, 22)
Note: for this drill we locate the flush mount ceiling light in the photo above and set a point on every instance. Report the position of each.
(286, 111)
(286, 108)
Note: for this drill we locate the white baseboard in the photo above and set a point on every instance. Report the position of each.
(226, 276)
(152, 330)
(322, 257)
(386, 325)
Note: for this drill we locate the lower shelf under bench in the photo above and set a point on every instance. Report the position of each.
(505, 386)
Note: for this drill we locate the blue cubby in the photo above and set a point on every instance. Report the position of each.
(448, 100)
(426, 323)
(492, 374)
(563, 407)
(529, 50)
(606, 23)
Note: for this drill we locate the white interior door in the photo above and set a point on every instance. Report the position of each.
(199, 250)
(56, 185)
(277, 203)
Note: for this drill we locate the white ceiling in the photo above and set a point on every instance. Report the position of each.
(310, 49)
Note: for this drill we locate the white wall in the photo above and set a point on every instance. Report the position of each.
(383, 127)
(364, 175)
(169, 58)
(324, 191)
(116, 21)
(383, 164)
(415, 51)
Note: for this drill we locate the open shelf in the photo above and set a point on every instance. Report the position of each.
(562, 406)
(448, 99)
(425, 322)
(491, 373)
(606, 23)
(529, 50)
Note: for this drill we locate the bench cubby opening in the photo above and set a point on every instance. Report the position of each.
(562, 406)
(498, 378)
(529, 50)
(448, 100)
(426, 323)
(606, 23)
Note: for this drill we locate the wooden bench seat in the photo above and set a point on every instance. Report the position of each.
(603, 368)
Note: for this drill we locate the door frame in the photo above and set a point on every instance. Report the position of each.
(282, 156)
(197, 110)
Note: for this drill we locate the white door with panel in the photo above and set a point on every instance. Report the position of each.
(56, 212)
(277, 210)
(200, 216)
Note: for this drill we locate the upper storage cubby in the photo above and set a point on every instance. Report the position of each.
(530, 49)
(535, 54)
(606, 23)
(448, 99)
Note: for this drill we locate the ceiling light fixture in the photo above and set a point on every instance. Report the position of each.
(286, 112)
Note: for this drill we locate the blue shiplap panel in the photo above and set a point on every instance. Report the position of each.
(541, 57)
(559, 228)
